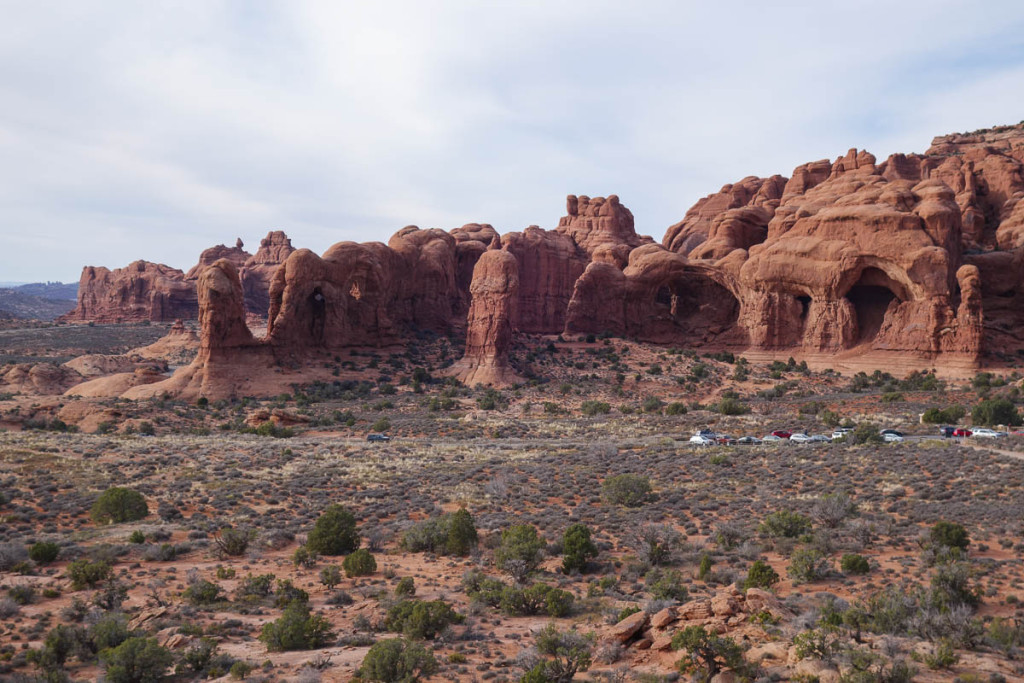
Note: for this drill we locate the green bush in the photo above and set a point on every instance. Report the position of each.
(359, 563)
(806, 565)
(949, 535)
(577, 548)
(461, 537)
(761, 575)
(330, 576)
(676, 408)
(43, 552)
(202, 593)
(381, 425)
(854, 564)
(519, 552)
(785, 524)
(136, 660)
(87, 574)
(233, 542)
(732, 406)
(592, 408)
(996, 411)
(629, 490)
(420, 619)
(397, 660)
(865, 433)
(296, 629)
(666, 585)
(564, 652)
(334, 533)
(406, 587)
(117, 504)
(706, 653)
(950, 415)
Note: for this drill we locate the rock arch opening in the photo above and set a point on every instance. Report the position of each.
(696, 308)
(872, 296)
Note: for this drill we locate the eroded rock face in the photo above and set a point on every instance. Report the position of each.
(140, 291)
(257, 271)
(696, 227)
(492, 315)
(237, 255)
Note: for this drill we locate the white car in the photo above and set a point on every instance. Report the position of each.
(800, 438)
(771, 438)
(987, 433)
(841, 432)
(892, 438)
(701, 440)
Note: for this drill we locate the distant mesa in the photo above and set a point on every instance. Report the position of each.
(918, 257)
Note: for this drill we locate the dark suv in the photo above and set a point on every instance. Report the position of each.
(378, 437)
(947, 432)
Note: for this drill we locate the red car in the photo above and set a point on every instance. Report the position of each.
(961, 431)
(782, 434)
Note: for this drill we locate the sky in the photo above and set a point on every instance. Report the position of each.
(152, 130)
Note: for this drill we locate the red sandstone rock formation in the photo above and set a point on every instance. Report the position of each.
(140, 291)
(257, 272)
(236, 255)
(492, 315)
(696, 227)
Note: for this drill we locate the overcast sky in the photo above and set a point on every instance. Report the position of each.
(154, 129)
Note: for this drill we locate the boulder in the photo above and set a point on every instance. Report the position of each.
(627, 628)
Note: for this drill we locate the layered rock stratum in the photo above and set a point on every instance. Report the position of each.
(917, 257)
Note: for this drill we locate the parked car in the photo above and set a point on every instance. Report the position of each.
(962, 432)
(840, 432)
(820, 438)
(800, 438)
(378, 437)
(987, 433)
(947, 432)
(771, 438)
(708, 433)
(890, 437)
(701, 440)
(782, 433)
(894, 432)
(748, 441)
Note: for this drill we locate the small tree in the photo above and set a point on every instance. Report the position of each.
(421, 618)
(359, 563)
(136, 660)
(577, 548)
(296, 629)
(564, 652)
(233, 542)
(706, 653)
(43, 552)
(334, 533)
(462, 537)
(118, 504)
(519, 552)
(86, 574)
(330, 576)
(784, 524)
(996, 411)
(655, 543)
(397, 660)
(761, 575)
(831, 509)
(949, 535)
(630, 490)
(806, 565)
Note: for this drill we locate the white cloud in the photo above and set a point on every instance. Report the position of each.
(152, 130)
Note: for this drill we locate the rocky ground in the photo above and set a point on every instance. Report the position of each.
(796, 562)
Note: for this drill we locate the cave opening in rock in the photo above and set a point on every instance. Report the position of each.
(697, 308)
(871, 296)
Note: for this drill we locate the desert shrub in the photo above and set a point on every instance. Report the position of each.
(303, 558)
(12, 555)
(118, 504)
(137, 537)
(136, 660)
(831, 509)
(784, 524)
(666, 585)
(397, 660)
(381, 425)
(865, 433)
(705, 654)
(85, 573)
(202, 593)
(519, 552)
(652, 404)
(817, 643)
(761, 575)
(255, 588)
(807, 564)
(577, 548)
(855, 564)
(359, 563)
(595, 408)
(943, 657)
(655, 543)
(43, 552)
(233, 542)
(732, 406)
(330, 576)
(287, 592)
(950, 415)
(22, 594)
(296, 629)
(949, 535)
(564, 653)
(461, 537)
(334, 532)
(406, 587)
(676, 408)
(540, 598)
(951, 587)
(420, 619)
(630, 490)
(996, 411)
